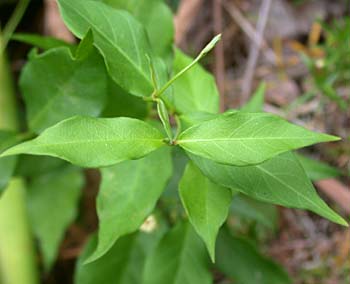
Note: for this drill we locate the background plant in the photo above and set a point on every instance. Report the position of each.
(330, 69)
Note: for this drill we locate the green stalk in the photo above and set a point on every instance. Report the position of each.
(17, 254)
(8, 115)
(13, 22)
(203, 53)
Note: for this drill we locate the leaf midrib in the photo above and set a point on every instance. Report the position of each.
(22, 147)
(111, 42)
(242, 138)
(98, 141)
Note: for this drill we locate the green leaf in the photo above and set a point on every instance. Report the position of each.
(260, 212)
(128, 194)
(55, 86)
(256, 103)
(206, 203)
(281, 181)
(317, 170)
(170, 197)
(157, 19)
(195, 90)
(8, 164)
(85, 47)
(7, 139)
(246, 138)
(192, 118)
(43, 165)
(179, 258)
(93, 142)
(43, 42)
(241, 261)
(198, 117)
(120, 103)
(122, 264)
(118, 36)
(52, 206)
(161, 77)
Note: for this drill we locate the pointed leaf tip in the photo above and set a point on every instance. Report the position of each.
(333, 138)
(242, 139)
(206, 204)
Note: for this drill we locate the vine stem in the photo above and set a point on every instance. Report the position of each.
(17, 254)
(13, 23)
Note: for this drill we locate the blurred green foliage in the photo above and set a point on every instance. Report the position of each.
(331, 72)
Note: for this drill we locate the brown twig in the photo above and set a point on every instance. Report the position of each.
(336, 191)
(185, 14)
(219, 68)
(255, 49)
(249, 30)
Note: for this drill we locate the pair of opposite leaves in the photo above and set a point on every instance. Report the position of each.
(238, 139)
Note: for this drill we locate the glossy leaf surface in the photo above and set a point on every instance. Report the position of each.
(119, 37)
(246, 138)
(94, 142)
(158, 22)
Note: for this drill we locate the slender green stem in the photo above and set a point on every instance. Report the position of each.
(8, 115)
(203, 53)
(155, 97)
(13, 22)
(177, 76)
